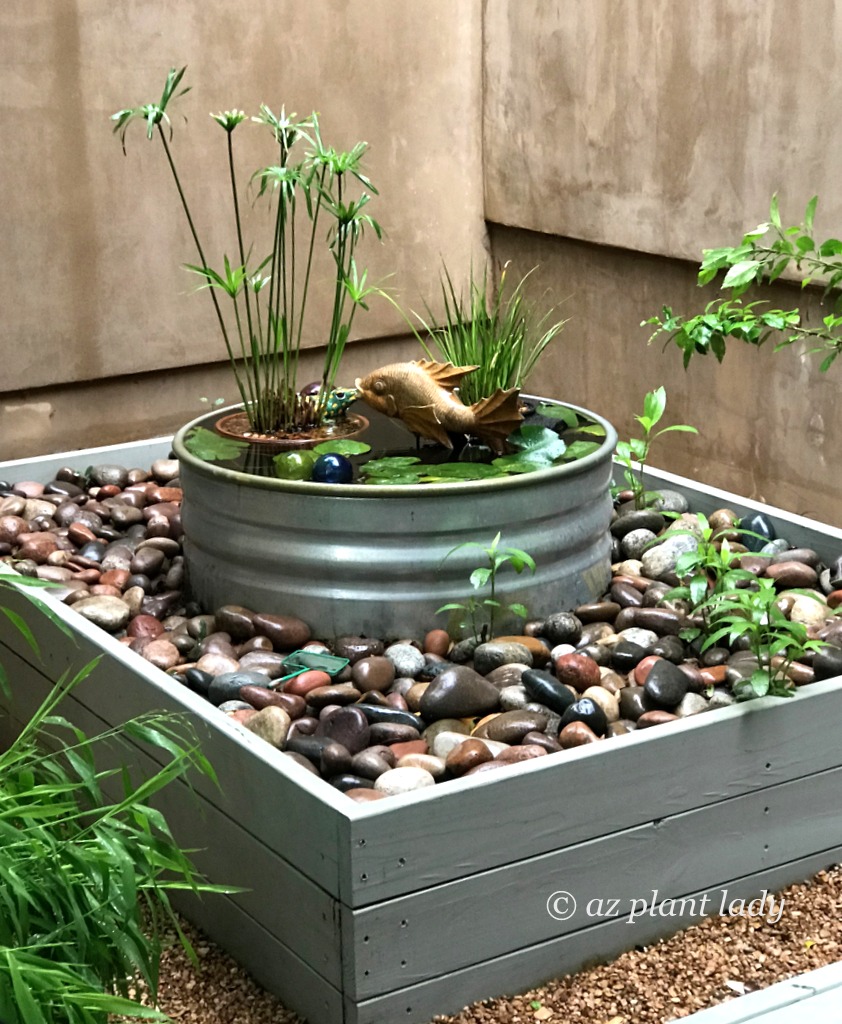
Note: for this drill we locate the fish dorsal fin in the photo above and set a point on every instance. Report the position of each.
(446, 375)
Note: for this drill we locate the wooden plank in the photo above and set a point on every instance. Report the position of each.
(466, 826)
(140, 454)
(416, 937)
(276, 895)
(272, 964)
(534, 965)
(286, 811)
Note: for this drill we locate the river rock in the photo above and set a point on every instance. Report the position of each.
(236, 621)
(808, 610)
(576, 734)
(666, 685)
(587, 711)
(270, 724)
(562, 628)
(466, 755)
(348, 726)
(609, 702)
(403, 780)
(547, 690)
(512, 726)
(161, 653)
(659, 561)
(577, 670)
(408, 660)
(635, 543)
(459, 692)
(109, 613)
(287, 632)
(376, 672)
(496, 653)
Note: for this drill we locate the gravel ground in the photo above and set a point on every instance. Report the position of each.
(709, 963)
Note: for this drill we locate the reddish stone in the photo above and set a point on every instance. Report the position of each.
(467, 755)
(437, 641)
(144, 625)
(104, 590)
(157, 494)
(364, 796)
(115, 578)
(409, 747)
(714, 675)
(651, 718)
(262, 697)
(80, 534)
(641, 670)
(577, 670)
(310, 680)
(525, 752)
(576, 734)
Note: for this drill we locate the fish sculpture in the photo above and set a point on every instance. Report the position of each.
(421, 394)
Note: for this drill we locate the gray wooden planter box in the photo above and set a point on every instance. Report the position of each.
(417, 905)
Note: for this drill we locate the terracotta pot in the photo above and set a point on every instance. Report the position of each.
(237, 426)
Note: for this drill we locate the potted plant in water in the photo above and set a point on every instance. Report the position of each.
(320, 198)
(347, 555)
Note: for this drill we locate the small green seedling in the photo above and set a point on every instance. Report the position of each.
(756, 616)
(636, 450)
(707, 572)
(486, 575)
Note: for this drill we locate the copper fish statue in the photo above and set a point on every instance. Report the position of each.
(421, 394)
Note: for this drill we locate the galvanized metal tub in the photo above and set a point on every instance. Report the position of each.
(359, 559)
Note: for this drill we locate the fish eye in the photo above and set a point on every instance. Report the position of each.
(379, 387)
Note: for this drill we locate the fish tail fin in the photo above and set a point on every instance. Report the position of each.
(497, 416)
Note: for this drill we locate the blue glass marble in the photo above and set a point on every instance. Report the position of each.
(332, 469)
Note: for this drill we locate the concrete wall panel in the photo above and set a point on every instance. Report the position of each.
(91, 285)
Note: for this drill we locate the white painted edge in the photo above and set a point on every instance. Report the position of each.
(755, 1005)
(111, 450)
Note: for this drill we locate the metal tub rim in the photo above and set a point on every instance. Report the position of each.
(416, 491)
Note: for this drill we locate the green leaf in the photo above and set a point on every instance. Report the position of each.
(654, 404)
(342, 446)
(580, 449)
(593, 429)
(530, 437)
(810, 213)
(558, 412)
(741, 274)
(461, 471)
(520, 610)
(774, 212)
(210, 446)
(479, 577)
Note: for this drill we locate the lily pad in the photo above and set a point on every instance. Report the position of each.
(342, 446)
(525, 462)
(558, 412)
(534, 438)
(593, 429)
(579, 449)
(460, 471)
(210, 446)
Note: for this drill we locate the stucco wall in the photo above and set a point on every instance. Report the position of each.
(616, 130)
(92, 290)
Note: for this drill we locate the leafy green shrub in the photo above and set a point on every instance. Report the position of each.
(760, 259)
